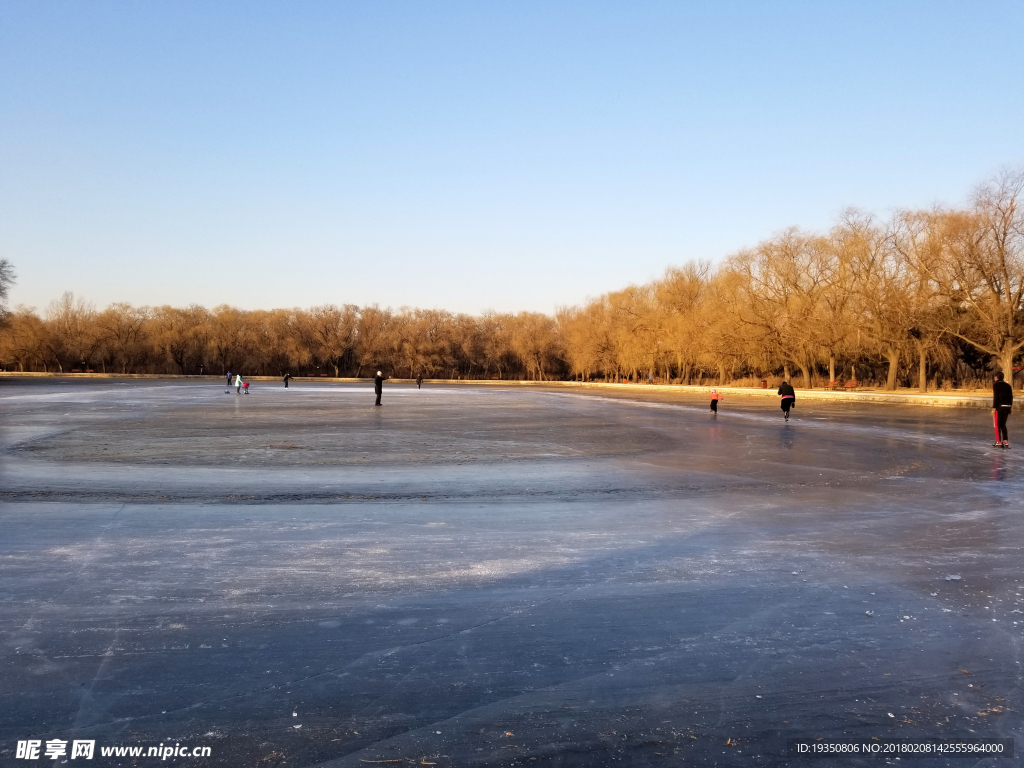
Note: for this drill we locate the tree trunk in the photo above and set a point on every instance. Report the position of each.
(806, 371)
(922, 369)
(831, 368)
(785, 372)
(1006, 364)
(721, 375)
(893, 356)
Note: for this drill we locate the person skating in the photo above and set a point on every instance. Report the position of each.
(419, 381)
(1002, 404)
(378, 386)
(245, 387)
(227, 384)
(238, 384)
(715, 397)
(287, 378)
(788, 398)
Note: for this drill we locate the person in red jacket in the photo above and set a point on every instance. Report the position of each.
(1002, 404)
(715, 397)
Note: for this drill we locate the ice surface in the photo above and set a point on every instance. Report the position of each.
(481, 575)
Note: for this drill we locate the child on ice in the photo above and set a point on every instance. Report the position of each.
(245, 387)
(715, 397)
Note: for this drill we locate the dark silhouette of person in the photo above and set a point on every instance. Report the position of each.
(378, 386)
(1002, 404)
(419, 381)
(788, 398)
(287, 378)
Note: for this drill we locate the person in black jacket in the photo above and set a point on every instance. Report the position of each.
(788, 396)
(1002, 404)
(287, 378)
(378, 386)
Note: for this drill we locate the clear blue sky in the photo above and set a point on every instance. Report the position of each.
(472, 155)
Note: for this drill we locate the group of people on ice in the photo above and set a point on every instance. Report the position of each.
(1002, 400)
(1002, 405)
(787, 399)
(241, 387)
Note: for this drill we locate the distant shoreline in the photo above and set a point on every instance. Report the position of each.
(944, 399)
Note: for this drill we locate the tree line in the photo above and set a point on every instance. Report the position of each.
(328, 340)
(923, 298)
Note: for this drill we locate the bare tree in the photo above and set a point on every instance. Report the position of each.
(465, 344)
(228, 338)
(24, 341)
(6, 281)
(122, 327)
(682, 295)
(835, 315)
(636, 329)
(881, 283)
(72, 336)
(584, 333)
(182, 335)
(984, 271)
(916, 239)
(725, 343)
(535, 341)
(330, 333)
(496, 330)
(288, 352)
(784, 279)
(375, 339)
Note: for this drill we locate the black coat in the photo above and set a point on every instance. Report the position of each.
(787, 389)
(378, 384)
(1002, 394)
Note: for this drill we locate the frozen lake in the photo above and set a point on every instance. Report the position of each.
(482, 575)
